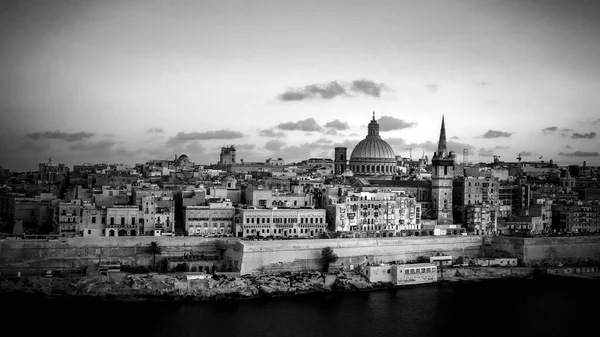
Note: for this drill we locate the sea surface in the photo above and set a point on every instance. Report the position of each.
(551, 307)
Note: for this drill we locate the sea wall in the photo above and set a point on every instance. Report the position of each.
(300, 255)
(75, 252)
(561, 249)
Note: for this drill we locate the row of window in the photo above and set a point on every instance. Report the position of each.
(283, 220)
(280, 231)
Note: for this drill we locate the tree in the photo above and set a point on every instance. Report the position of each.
(328, 257)
(155, 249)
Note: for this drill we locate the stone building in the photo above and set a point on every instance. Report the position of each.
(122, 220)
(376, 212)
(280, 222)
(373, 156)
(441, 180)
(212, 220)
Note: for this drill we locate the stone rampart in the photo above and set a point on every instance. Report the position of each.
(299, 255)
(75, 252)
(561, 249)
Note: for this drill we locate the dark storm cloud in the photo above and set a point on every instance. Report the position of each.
(93, 146)
(155, 130)
(578, 135)
(324, 91)
(69, 137)
(387, 123)
(183, 137)
(338, 125)
(367, 87)
(270, 133)
(579, 154)
(495, 134)
(309, 124)
(333, 89)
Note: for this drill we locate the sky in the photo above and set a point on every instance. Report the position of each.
(130, 81)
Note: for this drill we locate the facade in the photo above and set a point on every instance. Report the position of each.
(388, 212)
(68, 217)
(373, 156)
(122, 220)
(581, 217)
(340, 160)
(212, 220)
(403, 274)
(270, 199)
(441, 180)
(279, 222)
(227, 156)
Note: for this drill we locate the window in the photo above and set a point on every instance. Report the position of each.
(103, 220)
(89, 231)
(389, 271)
(93, 220)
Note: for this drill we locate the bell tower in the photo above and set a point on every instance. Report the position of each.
(441, 180)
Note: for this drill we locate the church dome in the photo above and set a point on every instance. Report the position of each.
(183, 157)
(373, 156)
(372, 147)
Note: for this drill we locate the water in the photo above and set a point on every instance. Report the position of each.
(556, 307)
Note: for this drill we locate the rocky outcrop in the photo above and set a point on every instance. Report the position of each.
(141, 286)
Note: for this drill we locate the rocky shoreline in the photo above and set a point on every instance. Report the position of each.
(216, 287)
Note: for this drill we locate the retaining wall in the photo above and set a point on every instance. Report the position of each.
(297, 255)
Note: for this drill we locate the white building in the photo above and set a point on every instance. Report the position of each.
(280, 222)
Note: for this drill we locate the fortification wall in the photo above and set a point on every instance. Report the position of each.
(561, 249)
(76, 252)
(297, 255)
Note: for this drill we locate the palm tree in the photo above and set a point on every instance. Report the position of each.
(155, 249)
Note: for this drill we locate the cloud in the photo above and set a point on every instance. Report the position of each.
(274, 145)
(485, 152)
(155, 130)
(596, 121)
(578, 135)
(195, 148)
(579, 154)
(454, 137)
(245, 146)
(183, 137)
(308, 124)
(333, 89)
(123, 152)
(433, 88)
(338, 125)
(93, 146)
(495, 134)
(549, 129)
(367, 87)
(324, 91)
(35, 148)
(69, 137)
(387, 123)
(270, 133)
(332, 132)
(568, 147)
(527, 154)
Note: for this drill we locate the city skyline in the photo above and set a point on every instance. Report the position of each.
(127, 82)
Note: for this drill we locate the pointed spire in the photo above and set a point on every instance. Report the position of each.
(442, 151)
(373, 115)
